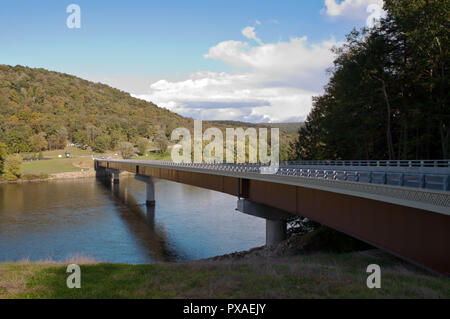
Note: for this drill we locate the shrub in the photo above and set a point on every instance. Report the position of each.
(142, 145)
(3, 153)
(161, 143)
(12, 167)
(101, 144)
(126, 150)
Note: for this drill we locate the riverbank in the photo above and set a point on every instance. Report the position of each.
(86, 173)
(318, 275)
(289, 270)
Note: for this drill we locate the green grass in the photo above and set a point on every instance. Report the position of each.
(60, 165)
(74, 152)
(308, 276)
(156, 156)
(79, 160)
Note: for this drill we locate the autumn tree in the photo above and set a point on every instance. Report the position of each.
(142, 145)
(38, 142)
(126, 150)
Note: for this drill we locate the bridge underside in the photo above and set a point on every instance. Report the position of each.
(419, 236)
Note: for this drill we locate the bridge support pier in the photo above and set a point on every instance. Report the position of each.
(275, 231)
(275, 219)
(150, 188)
(116, 176)
(150, 193)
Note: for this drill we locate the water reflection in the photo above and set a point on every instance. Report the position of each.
(59, 219)
(140, 219)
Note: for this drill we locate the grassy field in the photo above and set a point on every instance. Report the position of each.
(320, 275)
(74, 152)
(59, 165)
(79, 160)
(154, 156)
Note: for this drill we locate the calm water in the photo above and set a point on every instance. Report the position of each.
(60, 219)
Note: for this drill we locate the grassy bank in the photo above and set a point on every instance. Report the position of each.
(80, 160)
(320, 275)
(55, 166)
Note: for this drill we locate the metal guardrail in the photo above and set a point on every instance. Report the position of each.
(370, 172)
(377, 163)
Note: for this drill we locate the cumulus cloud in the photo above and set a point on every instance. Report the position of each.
(369, 10)
(273, 82)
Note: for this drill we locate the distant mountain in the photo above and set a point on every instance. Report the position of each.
(62, 107)
(42, 109)
(289, 128)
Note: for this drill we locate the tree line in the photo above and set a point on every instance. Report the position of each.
(388, 94)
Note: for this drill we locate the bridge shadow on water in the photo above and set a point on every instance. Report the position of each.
(140, 220)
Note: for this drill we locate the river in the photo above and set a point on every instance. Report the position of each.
(57, 220)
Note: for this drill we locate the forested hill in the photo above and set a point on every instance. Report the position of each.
(389, 92)
(36, 104)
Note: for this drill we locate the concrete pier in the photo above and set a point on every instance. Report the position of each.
(275, 219)
(275, 231)
(150, 188)
(116, 176)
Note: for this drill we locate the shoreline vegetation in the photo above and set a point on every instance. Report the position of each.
(55, 166)
(289, 270)
(88, 173)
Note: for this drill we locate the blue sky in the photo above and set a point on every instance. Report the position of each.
(154, 49)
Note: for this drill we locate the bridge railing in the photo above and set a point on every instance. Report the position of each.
(418, 180)
(376, 163)
(371, 172)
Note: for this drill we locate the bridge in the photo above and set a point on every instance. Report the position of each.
(402, 207)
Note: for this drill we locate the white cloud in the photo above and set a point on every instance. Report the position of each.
(273, 82)
(249, 33)
(276, 61)
(355, 9)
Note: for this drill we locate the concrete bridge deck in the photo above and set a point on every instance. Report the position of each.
(403, 208)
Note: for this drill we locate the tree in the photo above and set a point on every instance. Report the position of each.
(161, 143)
(152, 131)
(12, 167)
(142, 145)
(101, 143)
(62, 136)
(18, 138)
(38, 142)
(3, 153)
(126, 150)
(388, 95)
